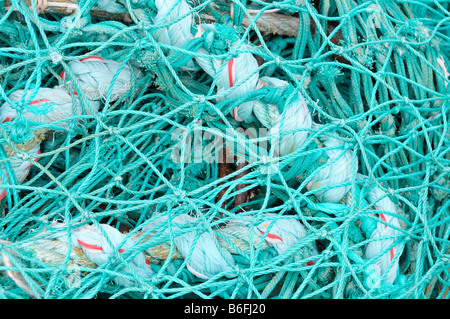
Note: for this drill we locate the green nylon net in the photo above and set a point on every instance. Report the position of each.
(374, 73)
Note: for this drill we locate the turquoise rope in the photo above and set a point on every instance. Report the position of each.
(389, 103)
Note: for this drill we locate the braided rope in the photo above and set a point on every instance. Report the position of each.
(345, 197)
(91, 246)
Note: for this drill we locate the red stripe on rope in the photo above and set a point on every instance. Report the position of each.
(122, 250)
(89, 246)
(3, 195)
(38, 101)
(271, 236)
(7, 120)
(36, 159)
(384, 219)
(92, 58)
(304, 109)
(230, 71)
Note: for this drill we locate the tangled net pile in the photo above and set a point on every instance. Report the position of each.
(224, 149)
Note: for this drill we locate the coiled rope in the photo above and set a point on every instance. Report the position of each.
(348, 198)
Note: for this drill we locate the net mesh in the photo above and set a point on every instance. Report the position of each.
(374, 76)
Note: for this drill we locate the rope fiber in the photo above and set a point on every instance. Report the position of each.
(162, 149)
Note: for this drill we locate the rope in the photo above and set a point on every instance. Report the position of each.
(215, 149)
(95, 245)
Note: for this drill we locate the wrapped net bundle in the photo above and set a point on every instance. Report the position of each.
(224, 149)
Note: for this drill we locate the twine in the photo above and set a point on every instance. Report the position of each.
(355, 92)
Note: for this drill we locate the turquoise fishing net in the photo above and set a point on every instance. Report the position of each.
(374, 73)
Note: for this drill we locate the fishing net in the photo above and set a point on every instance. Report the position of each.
(224, 149)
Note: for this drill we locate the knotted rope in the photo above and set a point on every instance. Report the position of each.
(345, 195)
(207, 254)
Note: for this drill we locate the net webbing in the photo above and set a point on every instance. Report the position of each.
(230, 149)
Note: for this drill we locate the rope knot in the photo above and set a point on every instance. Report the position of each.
(323, 234)
(340, 122)
(416, 30)
(310, 65)
(181, 194)
(396, 109)
(44, 219)
(201, 228)
(278, 60)
(265, 159)
(145, 25)
(220, 39)
(358, 268)
(372, 279)
(406, 100)
(113, 130)
(327, 254)
(329, 73)
(271, 167)
(200, 99)
(112, 259)
(56, 57)
(257, 220)
(233, 54)
(118, 179)
(142, 44)
(20, 132)
(338, 49)
(243, 274)
(288, 204)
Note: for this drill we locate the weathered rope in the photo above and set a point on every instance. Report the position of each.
(345, 195)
